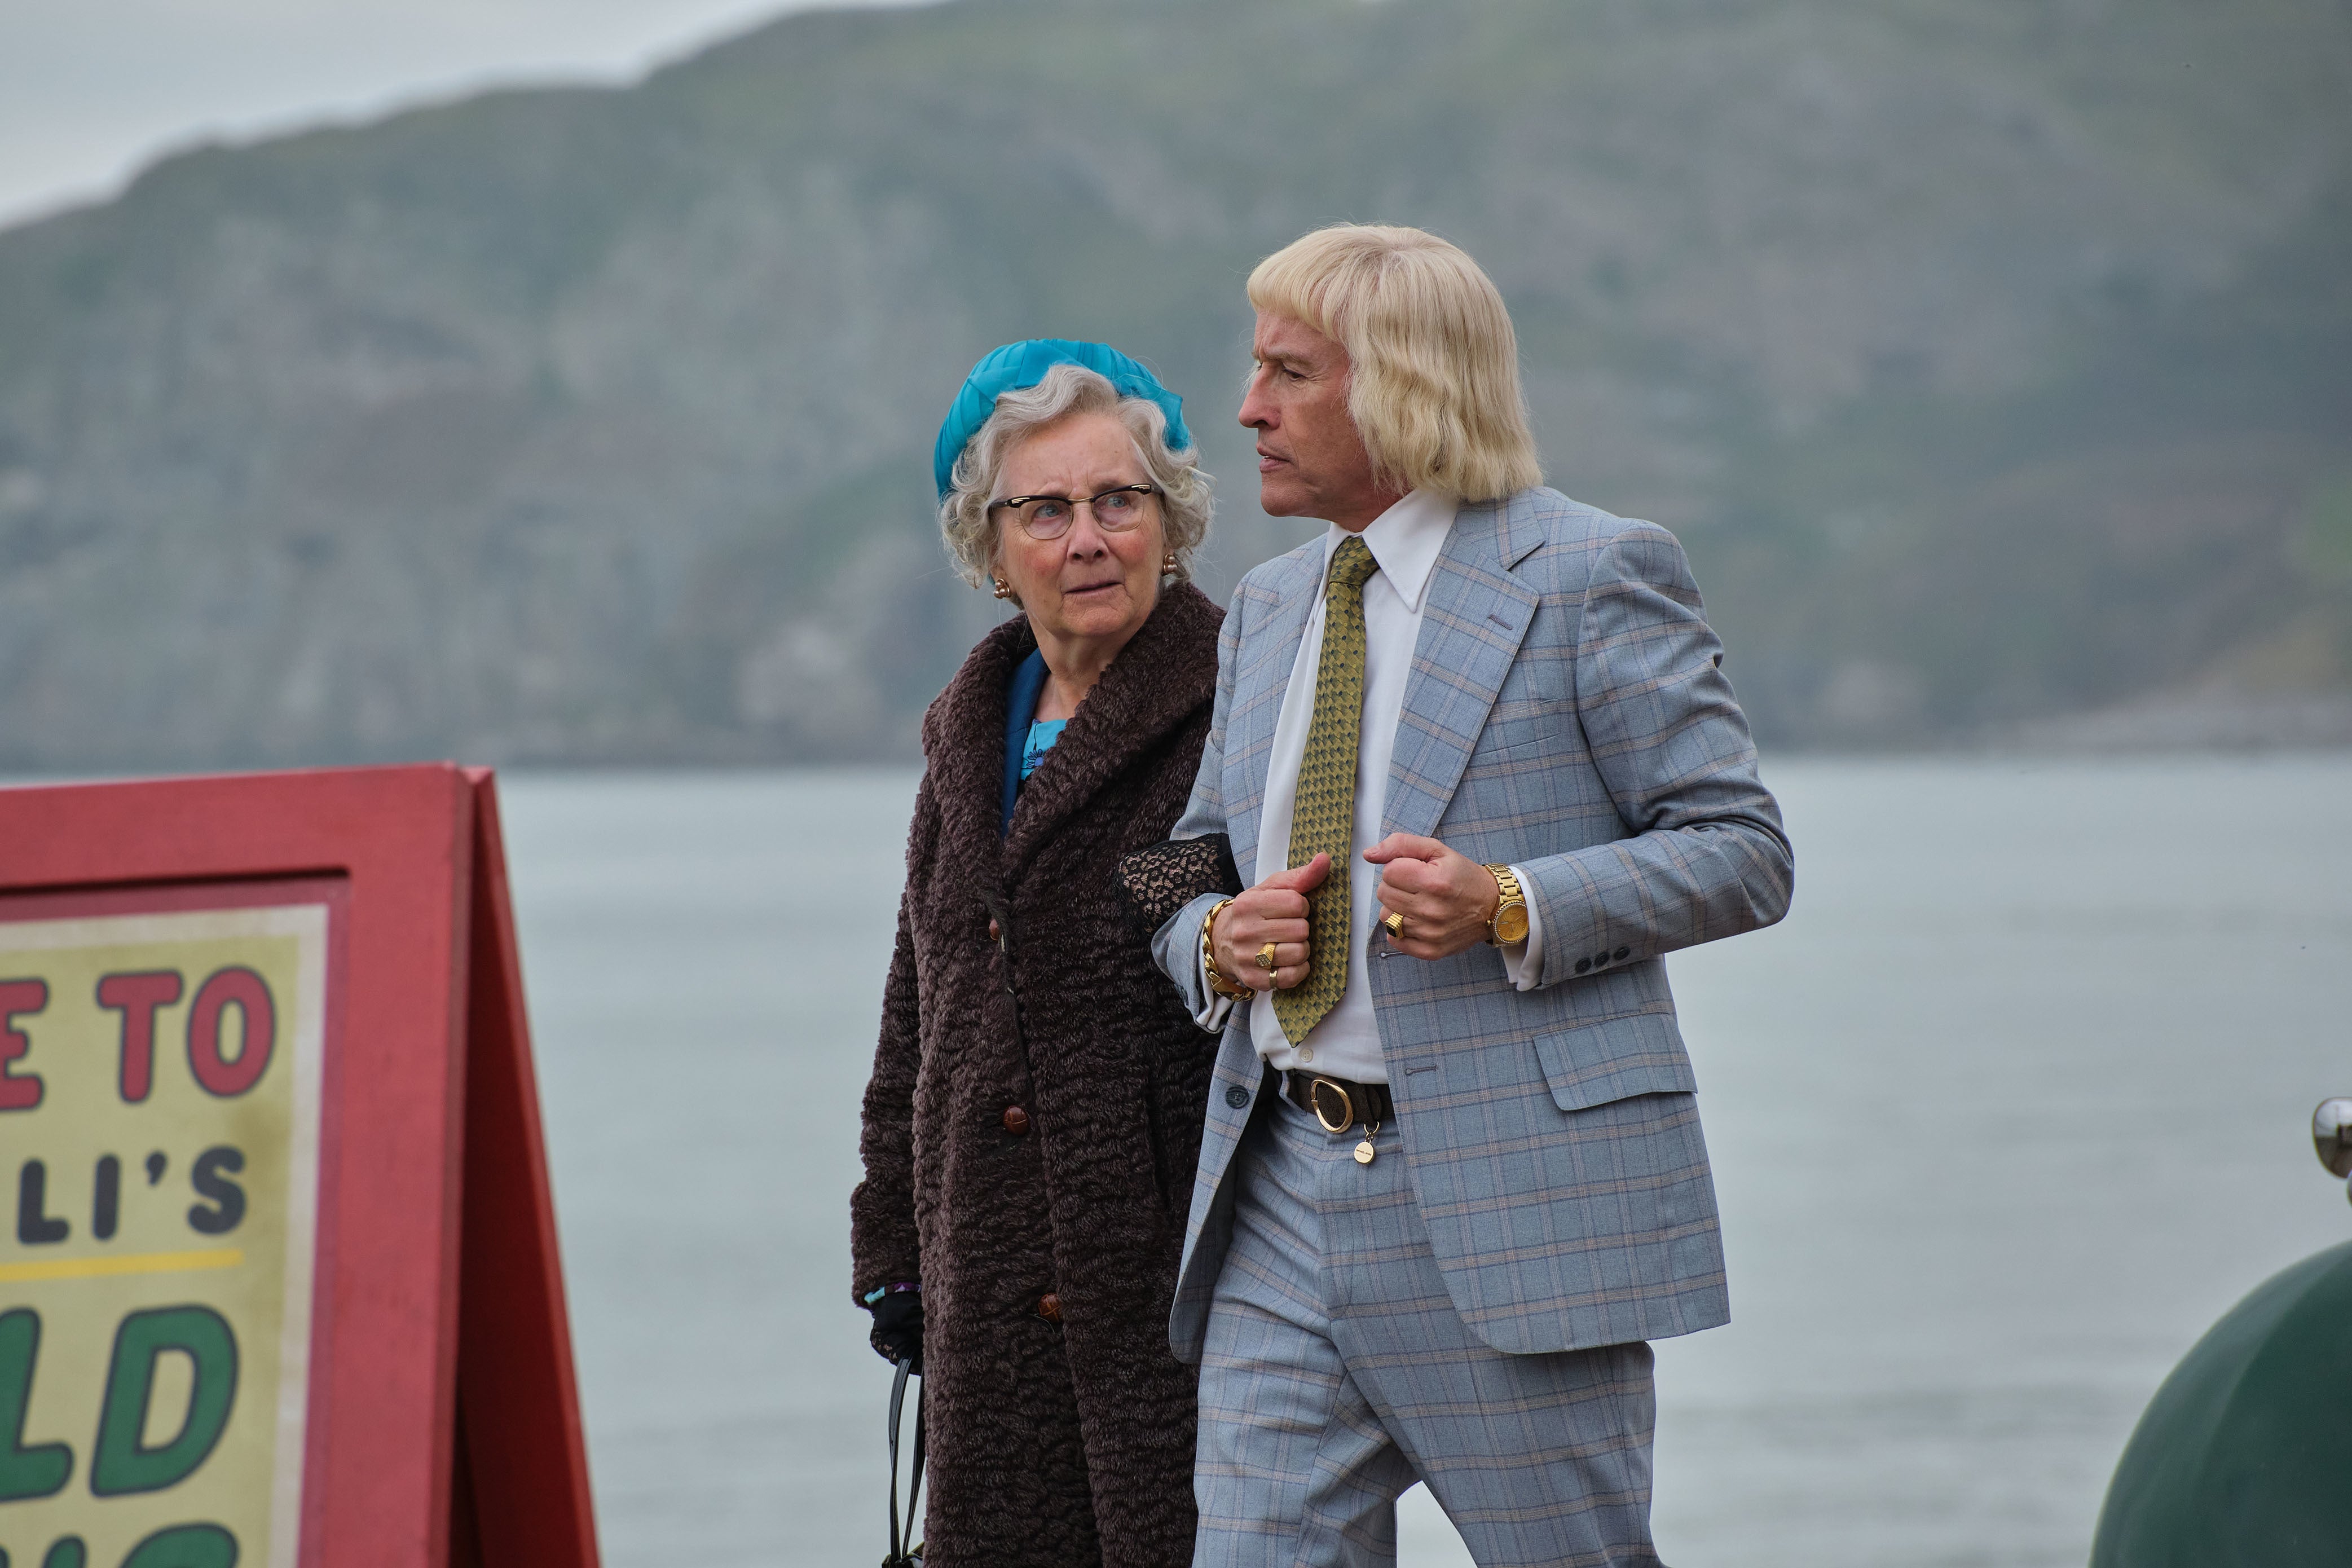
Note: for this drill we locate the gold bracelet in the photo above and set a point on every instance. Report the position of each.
(1219, 981)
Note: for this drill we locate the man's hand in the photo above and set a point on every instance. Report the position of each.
(1272, 911)
(1446, 899)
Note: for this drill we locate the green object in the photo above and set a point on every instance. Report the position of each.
(122, 1462)
(37, 1470)
(2243, 1459)
(186, 1546)
(1323, 818)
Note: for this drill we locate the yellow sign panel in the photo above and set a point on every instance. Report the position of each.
(160, 1095)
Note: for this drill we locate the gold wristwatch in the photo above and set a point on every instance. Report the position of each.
(1510, 922)
(1218, 981)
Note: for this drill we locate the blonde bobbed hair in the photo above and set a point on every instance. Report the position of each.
(971, 535)
(1434, 364)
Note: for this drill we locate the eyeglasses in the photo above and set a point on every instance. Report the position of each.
(1115, 512)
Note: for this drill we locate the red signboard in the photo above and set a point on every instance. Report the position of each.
(278, 1278)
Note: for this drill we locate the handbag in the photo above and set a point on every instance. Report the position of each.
(912, 1555)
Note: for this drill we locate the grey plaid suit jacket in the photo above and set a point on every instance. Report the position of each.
(1566, 714)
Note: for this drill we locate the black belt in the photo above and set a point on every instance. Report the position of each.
(1338, 1103)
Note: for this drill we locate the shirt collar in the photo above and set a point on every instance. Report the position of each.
(1406, 540)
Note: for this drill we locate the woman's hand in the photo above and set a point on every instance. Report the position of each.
(1447, 899)
(898, 1331)
(1272, 911)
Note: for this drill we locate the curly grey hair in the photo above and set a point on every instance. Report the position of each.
(971, 535)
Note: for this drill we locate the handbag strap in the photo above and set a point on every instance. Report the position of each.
(912, 1556)
(915, 1481)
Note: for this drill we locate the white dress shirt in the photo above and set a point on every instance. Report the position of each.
(1406, 540)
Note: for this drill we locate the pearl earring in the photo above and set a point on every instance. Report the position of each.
(1003, 589)
(1168, 564)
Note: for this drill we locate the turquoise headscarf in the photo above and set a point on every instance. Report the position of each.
(1017, 366)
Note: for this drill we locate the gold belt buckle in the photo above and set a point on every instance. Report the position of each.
(1315, 1088)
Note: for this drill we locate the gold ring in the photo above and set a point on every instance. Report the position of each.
(1394, 926)
(1265, 958)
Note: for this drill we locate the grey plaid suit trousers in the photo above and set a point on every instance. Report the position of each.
(1566, 713)
(1336, 1371)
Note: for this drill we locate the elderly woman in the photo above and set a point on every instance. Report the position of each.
(1036, 1109)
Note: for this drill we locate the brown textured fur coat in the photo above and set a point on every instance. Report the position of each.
(1067, 1443)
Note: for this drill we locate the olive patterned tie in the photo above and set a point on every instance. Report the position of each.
(1323, 811)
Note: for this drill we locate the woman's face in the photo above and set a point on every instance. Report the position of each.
(1092, 585)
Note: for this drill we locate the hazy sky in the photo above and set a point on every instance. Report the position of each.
(91, 91)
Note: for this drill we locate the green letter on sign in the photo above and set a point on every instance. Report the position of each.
(186, 1546)
(122, 1463)
(42, 1469)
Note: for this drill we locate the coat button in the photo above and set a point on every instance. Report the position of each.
(1237, 1097)
(1049, 1307)
(995, 931)
(1016, 1121)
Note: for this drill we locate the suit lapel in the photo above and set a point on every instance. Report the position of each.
(1472, 623)
(1269, 650)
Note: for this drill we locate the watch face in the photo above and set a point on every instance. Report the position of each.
(1511, 924)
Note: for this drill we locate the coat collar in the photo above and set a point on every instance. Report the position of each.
(1471, 627)
(1406, 540)
(1269, 648)
(1165, 675)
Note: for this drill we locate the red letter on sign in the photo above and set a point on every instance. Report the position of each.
(244, 991)
(136, 997)
(19, 996)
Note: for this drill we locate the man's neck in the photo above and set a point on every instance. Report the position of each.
(1361, 513)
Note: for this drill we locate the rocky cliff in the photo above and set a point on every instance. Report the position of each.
(1994, 359)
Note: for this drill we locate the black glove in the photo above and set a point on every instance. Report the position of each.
(898, 1329)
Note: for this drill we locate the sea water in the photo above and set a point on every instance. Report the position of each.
(2010, 1109)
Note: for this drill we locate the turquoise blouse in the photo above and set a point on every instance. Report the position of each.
(1027, 739)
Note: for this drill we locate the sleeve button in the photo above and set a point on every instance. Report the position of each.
(1584, 966)
(1620, 955)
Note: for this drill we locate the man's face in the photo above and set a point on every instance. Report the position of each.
(1310, 461)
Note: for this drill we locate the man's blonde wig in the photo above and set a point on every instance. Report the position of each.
(1433, 364)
